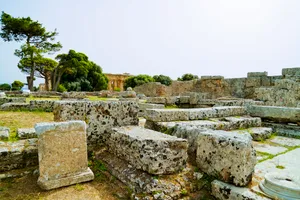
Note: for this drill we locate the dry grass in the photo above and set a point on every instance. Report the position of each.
(22, 119)
(28, 99)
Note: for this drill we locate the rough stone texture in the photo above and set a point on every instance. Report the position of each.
(151, 151)
(286, 141)
(166, 186)
(144, 106)
(285, 92)
(291, 72)
(278, 114)
(257, 133)
(167, 115)
(73, 95)
(157, 100)
(4, 133)
(14, 106)
(128, 94)
(4, 100)
(257, 74)
(227, 123)
(26, 133)
(62, 153)
(227, 156)
(44, 105)
(19, 154)
(225, 191)
(100, 115)
(2, 94)
(284, 129)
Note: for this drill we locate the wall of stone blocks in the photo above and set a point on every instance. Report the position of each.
(99, 116)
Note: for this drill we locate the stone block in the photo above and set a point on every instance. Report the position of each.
(253, 82)
(284, 129)
(260, 133)
(26, 133)
(2, 94)
(73, 95)
(274, 113)
(4, 133)
(228, 156)
(99, 116)
(14, 106)
(19, 154)
(257, 74)
(156, 100)
(184, 100)
(128, 94)
(225, 191)
(192, 114)
(286, 72)
(62, 153)
(150, 151)
(4, 100)
(144, 106)
(43, 105)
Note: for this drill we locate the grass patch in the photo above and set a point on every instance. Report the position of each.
(280, 167)
(96, 98)
(270, 156)
(79, 187)
(23, 119)
(171, 107)
(54, 98)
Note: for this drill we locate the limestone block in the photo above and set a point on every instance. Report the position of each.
(2, 94)
(19, 154)
(144, 106)
(224, 191)
(14, 106)
(257, 74)
(184, 99)
(156, 100)
(4, 100)
(253, 82)
(73, 95)
(4, 133)
(62, 153)
(167, 115)
(44, 105)
(228, 156)
(173, 100)
(260, 133)
(278, 114)
(26, 133)
(128, 94)
(284, 129)
(151, 151)
(100, 115)
(291, 71)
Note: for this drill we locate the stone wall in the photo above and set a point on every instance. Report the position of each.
(99, 116)
(218, 86)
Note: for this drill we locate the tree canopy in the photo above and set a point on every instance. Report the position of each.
(187, 77)
(77, 73)
(37, 41)
(166, 80)
(134, 81)
(17, 85)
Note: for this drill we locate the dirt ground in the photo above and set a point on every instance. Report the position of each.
(25, 188)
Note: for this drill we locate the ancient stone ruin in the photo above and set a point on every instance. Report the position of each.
(225, 138)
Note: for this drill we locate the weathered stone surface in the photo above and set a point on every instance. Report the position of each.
(144, 106)
(226, 123)
(44, 105)
(167, 115)
(228, 156)
(14, 106)
(225, 191)
(257, 74)
(73, 95)
(284, 129)
(278, 114)
(19, 154)
(156, 100)
(26, 133)
(288, 72)
(2, 94)
(4, 133)
(100, 115)
(62, 153)
(267, 148)
(151, 151)
(167, 186)
(257, 133)
(4, 100)
(284, 141)
(128, 94)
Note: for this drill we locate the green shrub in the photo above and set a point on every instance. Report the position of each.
(61, 88)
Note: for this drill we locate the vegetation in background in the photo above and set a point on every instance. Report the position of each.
(17, 85)
(77, 73)
(134, 81)
(5, 87)
(187, 77)
(37, 41)
(166, 80)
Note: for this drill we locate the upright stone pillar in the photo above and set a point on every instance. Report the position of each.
(62, 150)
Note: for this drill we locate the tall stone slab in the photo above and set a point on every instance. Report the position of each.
(62, 153)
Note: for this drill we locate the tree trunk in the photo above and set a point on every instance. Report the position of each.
(31, 79)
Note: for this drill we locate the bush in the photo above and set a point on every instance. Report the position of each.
(61, 88)
(134, 81)
(117, 89)
(187, 77)
(5, 87)
(17, 85)
(166, 80)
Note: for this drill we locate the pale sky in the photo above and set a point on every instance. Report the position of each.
(170, 37)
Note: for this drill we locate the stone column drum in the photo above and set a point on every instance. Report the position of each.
(62, 150)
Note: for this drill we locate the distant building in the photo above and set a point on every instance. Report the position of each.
(116, 81)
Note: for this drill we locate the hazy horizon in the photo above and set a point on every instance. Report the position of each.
(170, 37)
